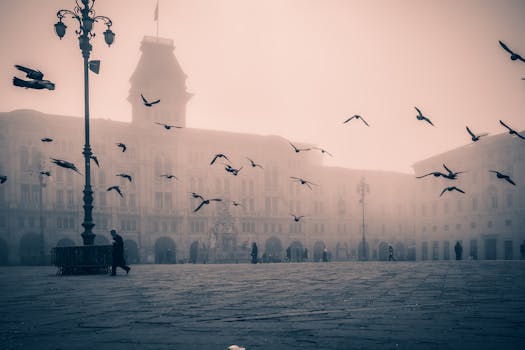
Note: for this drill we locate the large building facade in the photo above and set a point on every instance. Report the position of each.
(156, 215)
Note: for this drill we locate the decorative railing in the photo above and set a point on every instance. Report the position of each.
(87, 259)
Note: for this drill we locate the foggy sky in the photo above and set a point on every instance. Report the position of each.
(295, 68)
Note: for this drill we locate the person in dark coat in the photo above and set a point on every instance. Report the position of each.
(255, 252)
(118, 254)
(391, 253)
(458, 249)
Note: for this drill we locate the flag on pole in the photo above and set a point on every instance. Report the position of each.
(157, 11)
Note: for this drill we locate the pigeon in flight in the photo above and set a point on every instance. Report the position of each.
(297, 150)
(169, 176)
(121, 145)
(512, 131)
(65, 164)
(475, 137)
(500, 175)
(117, 189)
(46, 139)
(125, 176)
(95, 159)
(420, 116)
(237, 204)
(356, 116)
(451, 174)
(218, 155)
(231, 169)
(302, 181)
(453, 188)
(513, 56)
(196, 196)
(297, 218)
(147, 103)
(435, 173)
(3, 178)
(30, 73)
(323, 151)
(253, 164)
(168, 126)
(33, 84)
(46, 173)
(206, 201)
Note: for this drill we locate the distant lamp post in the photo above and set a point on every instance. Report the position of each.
(85, 15)
(362, 189)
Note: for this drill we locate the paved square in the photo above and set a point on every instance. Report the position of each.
(353, 305)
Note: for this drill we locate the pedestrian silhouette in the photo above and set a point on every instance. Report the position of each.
(522, 250)
(458, 249)
(118, 254)
(325, 255)
(391, 253)
(254, 253)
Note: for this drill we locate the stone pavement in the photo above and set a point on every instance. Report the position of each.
(351, 305)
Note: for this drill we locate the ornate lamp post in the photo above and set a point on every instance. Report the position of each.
(362, 189)
(85, 15)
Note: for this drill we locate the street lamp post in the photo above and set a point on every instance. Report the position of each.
(85, 15)
(41, 212)
(362, 189)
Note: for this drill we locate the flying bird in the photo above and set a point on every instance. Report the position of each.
(65, 164)
(3, 178)
(451, 174)
(420, 116)
(147, 103)
(95, 159)
(237, 204)
(117, 189)
(512, 131)
(46, 139)
(297, 150)
(169, 176)
(196, 196)
(302, 181)
(253, 164)
(33, 84)
(513, 56)
(231, 169)
(475, 137)
(121, 145)
(356, 116)
(46, 173)
(505, 177)
(30, 73)
(297, 218)
(206, 201)
(168, 126)
(453, 188)
(435, 173)
(323, 151)
(125, 176)
(218, 155)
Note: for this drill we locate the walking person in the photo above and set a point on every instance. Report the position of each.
(255, 252)
(458, 249)
(391, 253)
(118, 254)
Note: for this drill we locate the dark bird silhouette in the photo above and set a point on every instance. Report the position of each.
(147, 103)
(512, 131)
(475, 137)
(435, 173)
(125, 176)
(323, 151)
(451, 174)
(237, 204)
(46, 139)
(297, 218)
(218, 155)
(302, 181)
(123, 146)
(33, 84)
(505, 177)
(116, 189)
(231, 169)
(3, 178)
(453, 188)
(30, 73)
(513, 56)
(65, 164)
(169, 176)
(356, 116)
(297, 150)
(95, 159)
(420, 116)
(206, 201)
(253, 164)
(168, 126)
(46, 173)
(196, 196)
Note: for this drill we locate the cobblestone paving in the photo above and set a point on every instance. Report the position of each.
(353, 305)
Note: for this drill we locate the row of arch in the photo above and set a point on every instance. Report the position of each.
(165, 251)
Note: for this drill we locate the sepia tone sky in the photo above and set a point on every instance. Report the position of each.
(295, 68)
